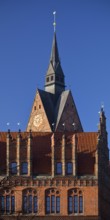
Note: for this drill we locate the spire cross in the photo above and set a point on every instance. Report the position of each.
(54, 23)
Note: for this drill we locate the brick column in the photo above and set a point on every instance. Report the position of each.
(74, 154)
(53, 155)
(18, 153)
(63, 155)
(7, 153)
(29, 159)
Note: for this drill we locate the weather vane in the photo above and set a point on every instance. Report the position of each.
(54, 23)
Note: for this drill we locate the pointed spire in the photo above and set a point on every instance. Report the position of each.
(102, 116)
(102, 122)
(55, 82)
(54, 58)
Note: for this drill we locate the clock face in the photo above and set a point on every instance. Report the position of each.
(37, 120)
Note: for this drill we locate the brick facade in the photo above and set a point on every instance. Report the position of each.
(42, 151)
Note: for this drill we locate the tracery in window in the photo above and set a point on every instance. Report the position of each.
(75, 201)
(7, 202)
(52, 201)
(30, 201)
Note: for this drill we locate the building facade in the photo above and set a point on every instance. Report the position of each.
(55, 170)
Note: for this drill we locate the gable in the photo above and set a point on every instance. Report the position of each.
(66, 114)
(38, 118)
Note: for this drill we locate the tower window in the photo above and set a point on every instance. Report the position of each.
(39, 106)
(59, 168)
(47, 79)
(34, 107)
(52, 201)
(51, 78)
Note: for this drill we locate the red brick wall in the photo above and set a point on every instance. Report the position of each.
(90, 195)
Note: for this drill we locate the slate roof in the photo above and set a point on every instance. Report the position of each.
(54, 58)
(60, 106)
(55, 69)
(54, 52)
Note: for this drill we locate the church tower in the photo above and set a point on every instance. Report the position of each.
(55, 80)
(54, 108)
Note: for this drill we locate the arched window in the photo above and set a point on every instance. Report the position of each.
(52, 201)
(75, 201)
(30, 201)
(7, 202)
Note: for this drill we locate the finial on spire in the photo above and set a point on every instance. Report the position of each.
(102, 107)
(54, 23)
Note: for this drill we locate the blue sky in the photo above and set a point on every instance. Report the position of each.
(83, 36)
